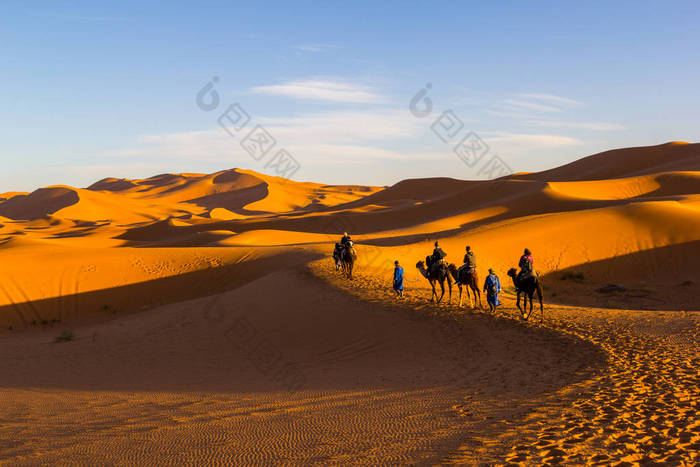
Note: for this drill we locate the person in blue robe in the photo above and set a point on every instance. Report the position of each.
(492, 287)
(398, 279)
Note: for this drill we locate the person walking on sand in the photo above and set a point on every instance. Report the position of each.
(398, 280)
(492, 287)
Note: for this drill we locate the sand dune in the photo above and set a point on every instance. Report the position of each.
(184, 291)
(618, 163)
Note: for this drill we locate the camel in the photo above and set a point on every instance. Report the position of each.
(470, 280)
(436, 275)
(337, 253)
(527, 286)
(347, 260)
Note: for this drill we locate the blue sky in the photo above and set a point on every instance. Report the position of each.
(92, 89)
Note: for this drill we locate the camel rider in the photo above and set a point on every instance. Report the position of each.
(438, 256)
(347, 245)
(469, 262)
(526, 265)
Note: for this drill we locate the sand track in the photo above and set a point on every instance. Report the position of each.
(641, 407)
(172, 385)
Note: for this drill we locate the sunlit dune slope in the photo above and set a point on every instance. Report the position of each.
(235, 190)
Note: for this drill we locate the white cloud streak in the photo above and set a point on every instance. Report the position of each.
(536, 106)
(324, 137)
(332, 138)
(314, 47)
(596, 126)
(558, 100)
(516, 142)
(537, 109)
(318, 90)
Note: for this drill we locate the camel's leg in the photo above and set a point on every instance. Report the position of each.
(477, 295)
(433, 296)
(469, 297)
(530, 295)
(449, 285)
(459, 286)
(442, 289)
(517, 303)
(539, 297)
(470, 286)
(525, 297)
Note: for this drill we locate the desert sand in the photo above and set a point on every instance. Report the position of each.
(198, 319)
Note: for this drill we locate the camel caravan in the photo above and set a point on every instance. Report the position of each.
(527, 282)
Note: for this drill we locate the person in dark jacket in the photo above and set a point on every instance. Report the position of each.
(527, 266)
(438, 253)
(469, 261)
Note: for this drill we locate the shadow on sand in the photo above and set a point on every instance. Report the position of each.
(664, 278)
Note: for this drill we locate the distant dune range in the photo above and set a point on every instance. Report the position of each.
(203, 322)
(621, 216)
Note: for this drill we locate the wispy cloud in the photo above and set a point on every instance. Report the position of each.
(328, 137)
(539, 109)
(314, 47)
(345, 126)
(557, 100)
(527, 105)
(596, 126)
(331, 91)
(516, 142)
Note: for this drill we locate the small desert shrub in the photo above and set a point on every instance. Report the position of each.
(572, 276)
(612, 288)
(65, 336)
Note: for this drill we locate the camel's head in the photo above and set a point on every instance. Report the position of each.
(419, 265)
(452, 268)
(512, 272)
